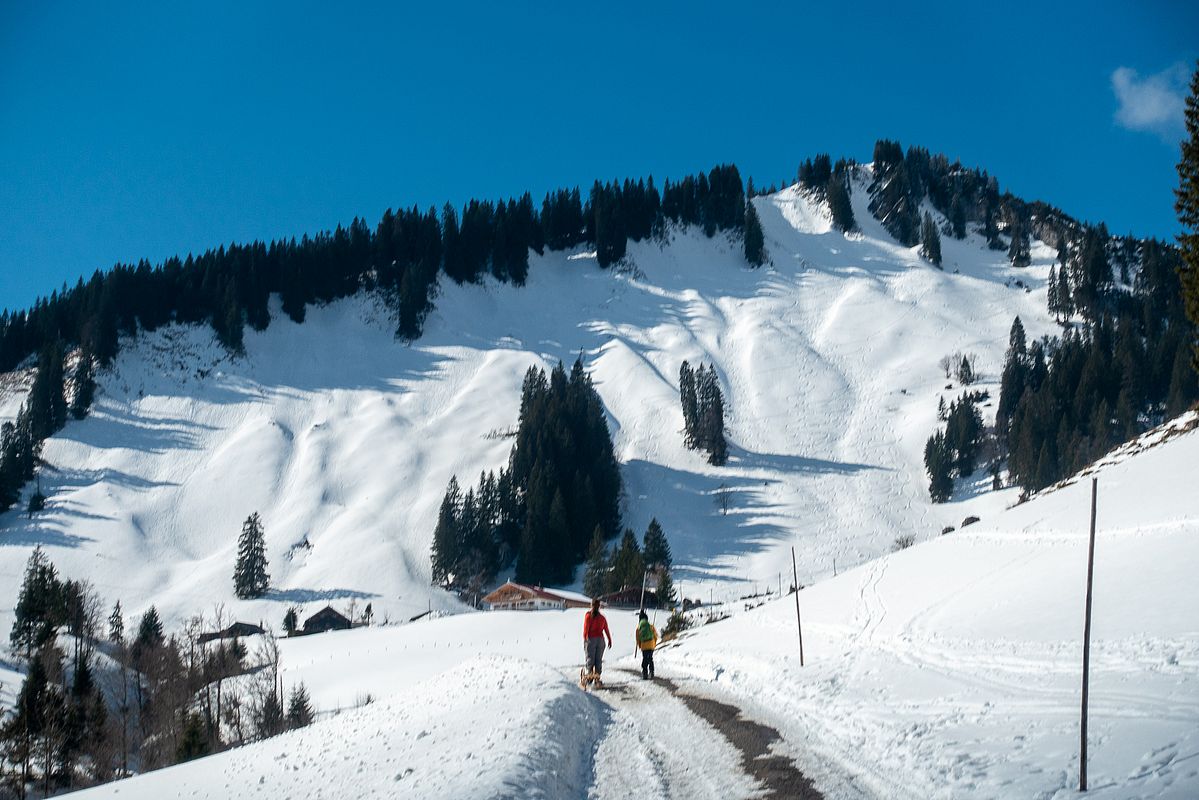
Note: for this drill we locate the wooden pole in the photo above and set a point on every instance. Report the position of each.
(798, 623)
(1086, 647)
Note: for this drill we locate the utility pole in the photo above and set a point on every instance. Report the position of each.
(1086, 647)
(798, 623)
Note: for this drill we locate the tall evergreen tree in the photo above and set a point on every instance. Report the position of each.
(1018, 251)
(1187, 205)
(938, 462)
(957, 216)
(930, 239)
(84, 379)
(446, 536)
(250, 578)
(116, 624)
(47, 404)
(838, 203)
(690, 403)
(41, 608)
(755, 240)
(628, 565)
(299, 708)
(656, 549)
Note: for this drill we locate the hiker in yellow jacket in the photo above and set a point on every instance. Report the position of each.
(647, 640)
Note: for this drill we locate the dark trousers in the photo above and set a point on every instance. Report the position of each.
(647, 663)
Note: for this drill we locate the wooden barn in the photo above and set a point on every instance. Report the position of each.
(630, 597)
(519, 597)
(327, 619)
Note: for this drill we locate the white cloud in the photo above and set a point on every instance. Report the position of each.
(1153, 103)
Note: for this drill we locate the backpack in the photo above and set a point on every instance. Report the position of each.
(645, 632)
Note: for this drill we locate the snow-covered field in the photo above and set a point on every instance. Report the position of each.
(947, 670)
(953, 669)
(344, 439)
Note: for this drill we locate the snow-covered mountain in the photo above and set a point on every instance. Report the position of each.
(344, 439)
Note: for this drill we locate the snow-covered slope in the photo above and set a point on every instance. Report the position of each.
(344, 439)
(953, 669)
(496, 727)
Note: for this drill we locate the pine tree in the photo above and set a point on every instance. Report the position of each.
(957, 216)
(291, 621)
(85, 385)
(755, 241)
(149, 634)
(656, 550)
(116, 624)
(446, 536)
(628, 566)
(47, 405)
(1052, 289)
(690, 403)
(250, 578)
(965, 371)
(665, 591)
(40, 608)
(1187, 205)
(937, 462)
(930, 239)
(839, 205)
(299, 708)
(194, 742)
(1018, 251)
(270, 718)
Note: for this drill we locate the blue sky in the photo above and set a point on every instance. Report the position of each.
(130, 131)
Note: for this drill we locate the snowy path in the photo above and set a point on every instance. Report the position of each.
(660, 743)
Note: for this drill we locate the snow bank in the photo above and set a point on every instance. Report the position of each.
(491, 727)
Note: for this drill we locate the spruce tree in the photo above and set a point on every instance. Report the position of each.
(930, 239)
(656, 550)
(938, 464)
(194, 741)
(1018, 251)
(957, 216)
(299, 708)
(149, 634)
(291, 621)
(628, 566)
(84, 378)
(270, 718)
(665, 591)
(839, 205)
(250, 578)
(755, 240)
(1187, 205)
(40, 608)
(116, 624)
(446, 536)
(690, 403)
(47, 405)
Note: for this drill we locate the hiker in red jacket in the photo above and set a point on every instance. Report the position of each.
(595, 628)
